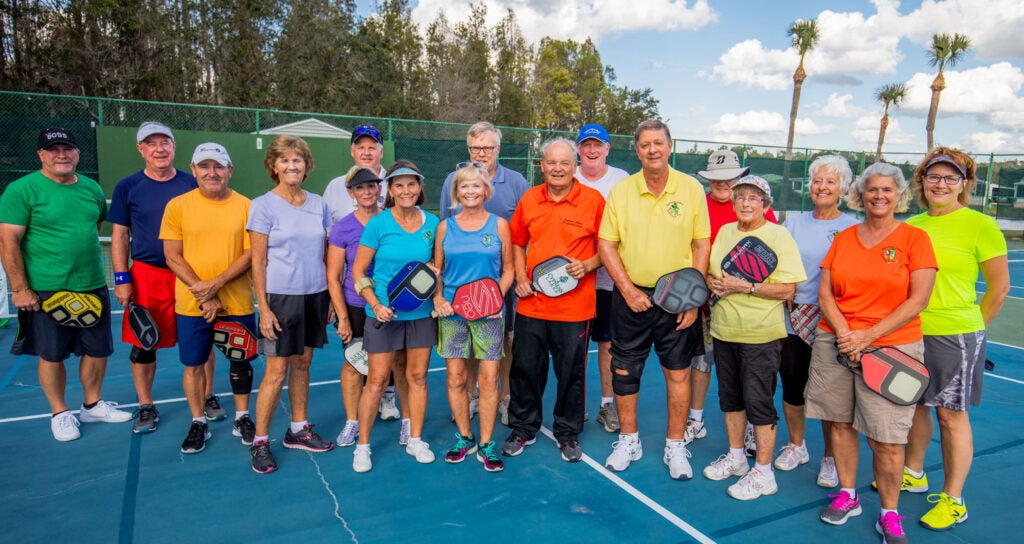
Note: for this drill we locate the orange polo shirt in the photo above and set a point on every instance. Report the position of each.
(549, 228)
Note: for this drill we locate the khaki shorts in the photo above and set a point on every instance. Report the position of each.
(835, 393)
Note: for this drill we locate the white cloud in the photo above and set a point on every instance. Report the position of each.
(990, 142)
(762, 126)
(990, 24)
(839, 106)
(990, 92)
(865, 131)
(749, 63)
(565, 19)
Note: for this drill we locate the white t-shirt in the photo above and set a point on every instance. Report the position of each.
(340, 203)
(603, 186)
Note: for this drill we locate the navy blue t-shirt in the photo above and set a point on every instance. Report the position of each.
(138, 203)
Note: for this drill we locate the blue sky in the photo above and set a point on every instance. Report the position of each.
(722, 69)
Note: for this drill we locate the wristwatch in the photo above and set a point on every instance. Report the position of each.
(752, 286)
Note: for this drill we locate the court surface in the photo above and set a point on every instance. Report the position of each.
(113, 486)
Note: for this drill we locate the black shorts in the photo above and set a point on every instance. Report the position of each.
(601, 325)
(510, 309)
(303, 320)
(793, 369)
(633, 334)
(356, 319)
(746, 378)
(38, 334)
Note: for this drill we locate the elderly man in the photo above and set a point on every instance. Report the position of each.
(207, 247)
(484, 142)
(655, 222)
(593, 145)
(50, 248)
(135, 211)
(722, 172)
(559, 218)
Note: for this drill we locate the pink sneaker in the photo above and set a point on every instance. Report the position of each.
(891, 529)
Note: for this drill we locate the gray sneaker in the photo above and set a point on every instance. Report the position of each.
(145, 419)
(609, 417)
(571, 451)
(213, 410)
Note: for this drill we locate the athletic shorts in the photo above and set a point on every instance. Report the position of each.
(746, 379)
(459, 339)
(197, 336)
(601, 325)
(633, 334)
(396, 335)
(356, 320)
(796, 361)
(705, 362)
(956, 364)
(38, 334)
(835, 393)
(303, 320)
(153, 289)
(510, 309)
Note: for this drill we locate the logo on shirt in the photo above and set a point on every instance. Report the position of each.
(674, 208)
(488, 240)
(889, 255)
(831, 235)
(428, 237)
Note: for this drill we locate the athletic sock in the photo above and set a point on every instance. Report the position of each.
(91, 405)
(240, 414)
(696, 415)
(852, 492)
(258, 439)
(915, 473)
(297, 426)
(884, 512)
(607, 400)
(737, 453)
(765, 469)
(200, 419)
(958, 500)
(362, 447)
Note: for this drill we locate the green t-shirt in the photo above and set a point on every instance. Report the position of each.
(962, 240)
(61, 245)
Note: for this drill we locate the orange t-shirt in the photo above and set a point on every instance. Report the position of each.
(869, 283)
(569, 228)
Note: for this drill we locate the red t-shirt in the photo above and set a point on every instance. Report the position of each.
(569, 228)
(869, 283)
(723, 213)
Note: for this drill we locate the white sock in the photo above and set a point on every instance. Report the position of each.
(670, 441)
(765, 469)
(297, 426)
(240, 414)
(801, 446)
(914, 473)
(696, 415)
(414, 440)
(263, 438)
(884, 512)
(852, 492)
(362, 447)
(737, 453)
(200, 419)
(958, 500)
(607, 400)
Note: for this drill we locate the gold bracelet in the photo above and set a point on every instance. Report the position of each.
(363, 283)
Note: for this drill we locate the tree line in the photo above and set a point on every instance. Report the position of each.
(313, 55)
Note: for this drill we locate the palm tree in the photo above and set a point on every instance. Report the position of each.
(805, 36)
(945, 50)
(893, 95)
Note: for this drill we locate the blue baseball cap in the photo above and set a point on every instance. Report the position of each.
(366, 130)
(594, 131)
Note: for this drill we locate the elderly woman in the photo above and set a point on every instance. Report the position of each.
(472, 244)
(747, 330)
(402, 233)
(288, 228)
(813, 231)
(953, 324)
(875, 280)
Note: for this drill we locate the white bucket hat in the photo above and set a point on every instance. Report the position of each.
(723, 165)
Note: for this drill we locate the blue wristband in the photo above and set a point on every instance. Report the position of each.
(122, 278)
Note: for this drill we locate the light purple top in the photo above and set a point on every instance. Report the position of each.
(295, 242)
(345, 235)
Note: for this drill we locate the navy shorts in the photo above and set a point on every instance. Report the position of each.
(38, 334)
(195, 336)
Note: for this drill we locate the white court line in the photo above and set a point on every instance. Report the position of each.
(1004, 378)
(638, 495)
(1004, 345)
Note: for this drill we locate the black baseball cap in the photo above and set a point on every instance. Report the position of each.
(49, 137)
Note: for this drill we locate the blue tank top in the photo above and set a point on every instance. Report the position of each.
(470, 255)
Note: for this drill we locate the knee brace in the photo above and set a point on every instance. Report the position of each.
(626, 377)
(142, 356)
(241, 377)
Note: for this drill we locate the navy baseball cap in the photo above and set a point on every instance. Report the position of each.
(366, 130)
(594, 131)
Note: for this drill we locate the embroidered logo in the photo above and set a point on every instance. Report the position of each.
(889, 255)
(487, 240)
(831, 235)
(428, 237)
(674, 208)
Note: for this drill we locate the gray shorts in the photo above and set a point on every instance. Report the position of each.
(956, 364)
(397, 335)
(835, 393)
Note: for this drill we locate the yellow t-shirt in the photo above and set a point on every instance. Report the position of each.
(213, 236)
(655, 233)
(750, 319)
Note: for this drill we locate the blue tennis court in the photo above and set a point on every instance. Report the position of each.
(113, 486)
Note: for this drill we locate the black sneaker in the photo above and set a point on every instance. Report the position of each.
(195, 442)
(262, 460)
(244, 428)
(212, 410)
(571, 451)
(308, 440)
(515, 444)
(145, 419)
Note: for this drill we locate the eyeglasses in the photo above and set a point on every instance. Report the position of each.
(485, 149)
(948, 181)
(748, 199)
(470, 164)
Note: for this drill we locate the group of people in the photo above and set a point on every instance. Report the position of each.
(195, 253)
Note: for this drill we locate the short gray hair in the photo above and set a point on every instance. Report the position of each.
(558, 140)
(855, 198)
(836, 164)
(482, 128)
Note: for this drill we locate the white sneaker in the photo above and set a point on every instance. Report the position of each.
(503, 409)
(348, 435)
(403, 433)
(676, 456)
(104, 412)
(750, 441)
(361, 460)
(65, 427)
(624, 451)
(791, 457)
(827, 475)
(421, 451)
(724, 467)
(753, 485)
(388, 410)
(695, 430)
